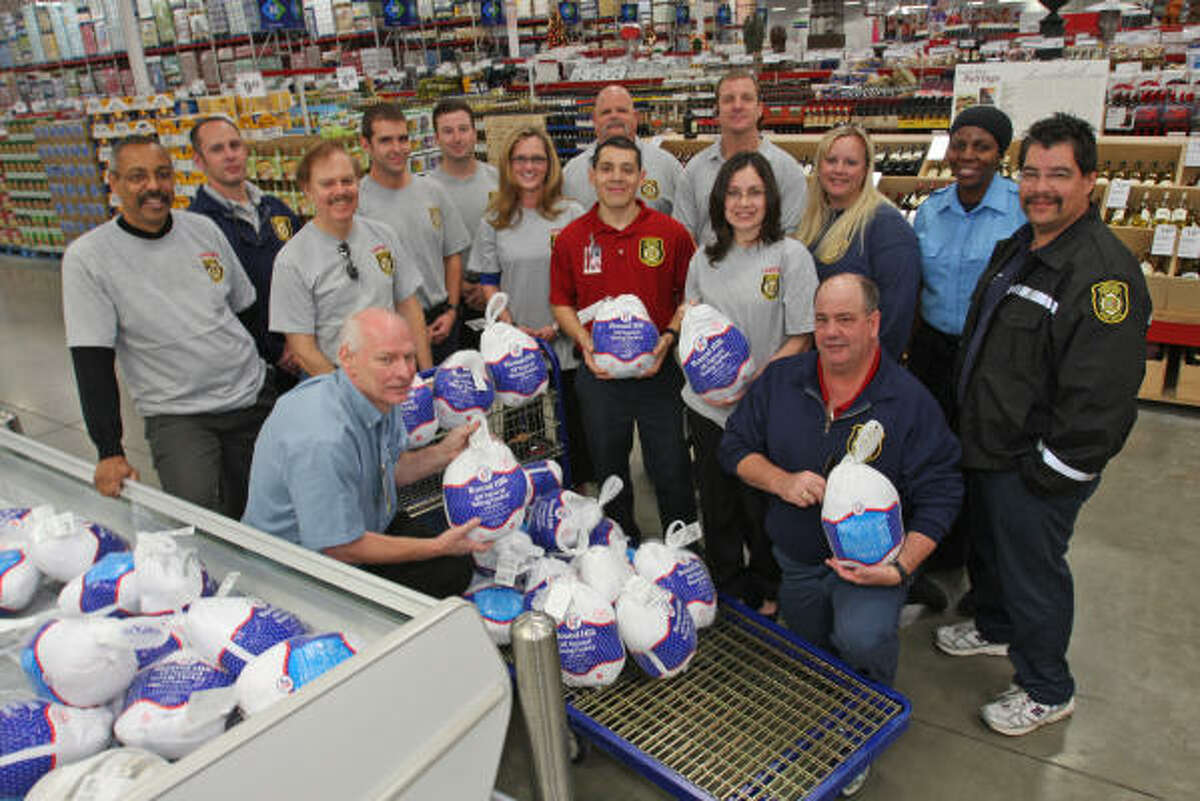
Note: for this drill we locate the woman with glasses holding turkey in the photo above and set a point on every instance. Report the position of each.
(511, 253)
(337, 264)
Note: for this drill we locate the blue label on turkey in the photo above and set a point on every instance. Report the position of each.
(676, 646)
(544, 519)
(24, 726)
(689, 582)
(521, 371)
(312, 655)
(714, 362)
(584, 646)
(417, 408)
(500, 605)
(171, 684)
(867, 536)
(456, 387)
(265, 626)
(624, 339)
(102, 583)
(493, 497)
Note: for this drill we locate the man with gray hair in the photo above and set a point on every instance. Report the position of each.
(332, 454)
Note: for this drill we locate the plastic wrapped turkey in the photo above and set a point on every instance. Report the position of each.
(63, 546)
(487, 482)
(514, 358)
(861, 512)
(656, 628)
(36, 736)
(681, 572)
(563, 521)
(289, 665)
(589, 645)
(462, 389)
(715, 356)
(417, 410)
(623, 335)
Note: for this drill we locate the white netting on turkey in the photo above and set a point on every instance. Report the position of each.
(623, 336)
(861, 512)
(487, 482)
(514, 358)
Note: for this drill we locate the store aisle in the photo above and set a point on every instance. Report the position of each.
(1135, 649)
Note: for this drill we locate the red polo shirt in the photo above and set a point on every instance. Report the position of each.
(648, 258)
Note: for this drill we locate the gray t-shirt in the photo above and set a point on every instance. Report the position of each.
(664, 175)
(691, 198)
(517, 258)
(470, 196)
(767, 291)
(428, 223)
(312, 292)
(168, 307)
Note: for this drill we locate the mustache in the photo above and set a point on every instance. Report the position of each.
(1055, 199)
(153, 194)
(341, 198)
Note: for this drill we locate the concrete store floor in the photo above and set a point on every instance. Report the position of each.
(1135, 652)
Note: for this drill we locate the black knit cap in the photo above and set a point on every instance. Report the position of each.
(990, 119)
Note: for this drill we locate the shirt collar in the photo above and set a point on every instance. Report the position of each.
(140, 234)
(603, 227)
(715, 150)
(253, 194)
(1061, 249)
(842, 409)
(993, 198)
(362, 409)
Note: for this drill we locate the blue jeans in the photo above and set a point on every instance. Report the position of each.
(1024, 594)
(609, 410)
(858, 624)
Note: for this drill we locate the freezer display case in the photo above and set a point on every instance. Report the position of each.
(419, 712)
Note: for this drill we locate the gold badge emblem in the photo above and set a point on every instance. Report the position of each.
(769, 287)
(854, 432)
(651, 251)
(435, 217)
(384, 257)
(554, 235)
(650, 189)
(283, 227)
(1110, 301)
(213, 266)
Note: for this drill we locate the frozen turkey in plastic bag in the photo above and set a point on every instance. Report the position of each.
(462, 389)
(715, 356)
(514, 358)
(170, 575)
(499, 605)
(623, 336)
(36, 736)
(510, 557)
(287, 666)
(540, 571)
(656, 628)
(590, 652)
(562, 521)
(88, 661)
(420, 419)
(673, 567)
(19, 579)
(861, 512)
(110, 585)
(176, 705)
(229, 632)
(545, 475)
(107, 776)
(487, 482)
(64, 546)
(605, 568)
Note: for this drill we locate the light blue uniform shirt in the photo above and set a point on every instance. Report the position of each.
(324, 465)
(956, 246)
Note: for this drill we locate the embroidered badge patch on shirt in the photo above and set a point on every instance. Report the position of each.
(850, 440)
(213, 266)
(435, 216)
(769, 287)
(651, 251)
(384, 257)
(1110, 301)
(650, 189)
(283, 227)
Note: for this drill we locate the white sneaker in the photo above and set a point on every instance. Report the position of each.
(963, 639)
(854, 785)
(1016, 713)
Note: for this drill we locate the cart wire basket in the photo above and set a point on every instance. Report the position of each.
(760, 715)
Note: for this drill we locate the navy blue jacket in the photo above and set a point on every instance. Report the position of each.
(783, 418)
(256, 251)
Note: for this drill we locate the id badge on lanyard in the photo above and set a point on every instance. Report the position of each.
(593, 257)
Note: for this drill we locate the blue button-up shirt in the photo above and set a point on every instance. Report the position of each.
(324, 465)
(956, 245)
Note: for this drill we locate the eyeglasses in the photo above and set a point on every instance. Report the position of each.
(750, 194)
(536, 161)
(348, 262)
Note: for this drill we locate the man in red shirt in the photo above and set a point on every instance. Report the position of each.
(622, 247)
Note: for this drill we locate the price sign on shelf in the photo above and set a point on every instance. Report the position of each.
(1164, 240)
(1189, 242)
(251, 84)
(938, 146)
(347, 79)
(1114, 117)
(1118, 193)
(1191, 157)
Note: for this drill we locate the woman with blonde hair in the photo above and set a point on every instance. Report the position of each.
(511, 253)
(848, 226)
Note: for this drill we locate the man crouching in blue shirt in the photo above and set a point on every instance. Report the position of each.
(795, 424)
(330, 456)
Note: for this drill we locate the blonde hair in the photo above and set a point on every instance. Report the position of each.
(505, 206)
(818, 213)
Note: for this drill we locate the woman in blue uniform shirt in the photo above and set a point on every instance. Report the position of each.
(957, 227)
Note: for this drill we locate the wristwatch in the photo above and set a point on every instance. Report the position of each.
(904, 574)
(674, 332)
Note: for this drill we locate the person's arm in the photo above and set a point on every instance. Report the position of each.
(414, 465)
(310, 357)
(443, 324)
(373, 548)
(802, 488)
(894, 263)
(96, 378)
(666, 340)
(1099, 368)
(410, 310)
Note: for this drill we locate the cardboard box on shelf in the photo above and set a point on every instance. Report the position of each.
(1187, 383)
(1154, 380)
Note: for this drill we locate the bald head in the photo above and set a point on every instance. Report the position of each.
(377, 353)
(614, 114)
(867, 290)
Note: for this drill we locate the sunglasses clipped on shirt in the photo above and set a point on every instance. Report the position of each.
(343, 249)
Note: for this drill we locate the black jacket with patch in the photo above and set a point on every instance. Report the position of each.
(1053, 388)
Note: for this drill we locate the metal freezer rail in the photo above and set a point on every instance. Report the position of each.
(758, 715)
